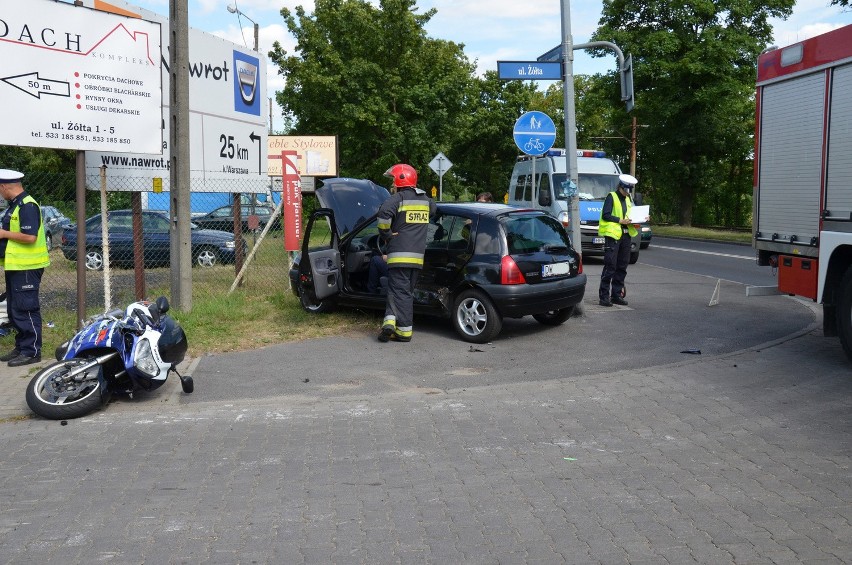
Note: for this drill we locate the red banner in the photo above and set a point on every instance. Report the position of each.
(292, 198)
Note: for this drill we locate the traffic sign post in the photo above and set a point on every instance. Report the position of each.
(440, 164)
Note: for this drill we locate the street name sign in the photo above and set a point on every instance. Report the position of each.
(75, 78)
(529, 70)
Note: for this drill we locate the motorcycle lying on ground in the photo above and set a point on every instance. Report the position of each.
(121, 351)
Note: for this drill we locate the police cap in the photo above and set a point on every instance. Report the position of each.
(8, 176)
(627, 181)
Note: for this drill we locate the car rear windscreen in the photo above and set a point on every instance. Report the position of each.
(534, 233)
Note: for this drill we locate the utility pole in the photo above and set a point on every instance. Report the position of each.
(632, 141)
(633, 149)
(180, 240)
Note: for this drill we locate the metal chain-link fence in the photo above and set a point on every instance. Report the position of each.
(111, 269)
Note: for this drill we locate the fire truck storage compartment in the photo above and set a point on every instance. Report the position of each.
(797, 275)
(838, 190)
(790, 160)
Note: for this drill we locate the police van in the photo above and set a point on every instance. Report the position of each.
(597, 177)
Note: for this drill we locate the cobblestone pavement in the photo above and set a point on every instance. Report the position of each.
(738, 458)
(320, 452)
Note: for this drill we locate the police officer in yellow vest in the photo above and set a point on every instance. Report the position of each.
(23, 255)
(617, 229)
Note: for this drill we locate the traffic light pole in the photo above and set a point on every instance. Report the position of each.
(626, 72)
(570, 123)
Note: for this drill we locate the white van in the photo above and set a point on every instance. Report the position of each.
(597, 177)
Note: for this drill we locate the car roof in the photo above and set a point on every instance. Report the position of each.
(483, 208)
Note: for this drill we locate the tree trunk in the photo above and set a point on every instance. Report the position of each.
(687, 198)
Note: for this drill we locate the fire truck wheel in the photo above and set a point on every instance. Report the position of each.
(844, 313)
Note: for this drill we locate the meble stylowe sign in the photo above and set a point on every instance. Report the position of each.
(74, 78)
(227, 117)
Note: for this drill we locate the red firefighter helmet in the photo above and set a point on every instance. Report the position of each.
(403, 175)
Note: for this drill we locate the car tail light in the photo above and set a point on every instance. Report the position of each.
(579, 264)
(509, 271)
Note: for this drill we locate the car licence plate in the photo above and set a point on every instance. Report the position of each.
(598, 240)
(555, 269)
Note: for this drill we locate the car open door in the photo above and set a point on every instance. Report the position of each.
(319, 268)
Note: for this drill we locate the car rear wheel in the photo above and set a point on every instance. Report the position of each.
(206, 257)
(94, 259)
(554, 317)
(475, 318)
(312, 305)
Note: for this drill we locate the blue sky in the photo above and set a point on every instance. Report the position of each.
(491, 30)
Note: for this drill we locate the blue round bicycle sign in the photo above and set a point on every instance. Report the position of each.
(534, 133)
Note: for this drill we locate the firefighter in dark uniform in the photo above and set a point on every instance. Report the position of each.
(23, 255)
(616, 226)
(403, 221)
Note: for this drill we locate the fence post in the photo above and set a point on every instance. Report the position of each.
(81, 237)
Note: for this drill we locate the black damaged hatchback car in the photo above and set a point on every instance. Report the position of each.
(484, 262)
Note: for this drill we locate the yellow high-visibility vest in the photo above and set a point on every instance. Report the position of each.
(25, 256)
(613, 229)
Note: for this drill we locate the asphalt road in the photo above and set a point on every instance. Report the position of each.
(595, 442)
(668, 313)
(713, 259)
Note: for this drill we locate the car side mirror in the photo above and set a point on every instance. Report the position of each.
(544, 198)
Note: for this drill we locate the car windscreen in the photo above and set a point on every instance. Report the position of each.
(531, 233)
(595, 187)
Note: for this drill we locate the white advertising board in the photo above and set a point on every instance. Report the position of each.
(227, 111)
(75, 78)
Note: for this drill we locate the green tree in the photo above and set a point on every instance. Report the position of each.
(484, 152)
(371, 76)
(49, 173)
(694, 69)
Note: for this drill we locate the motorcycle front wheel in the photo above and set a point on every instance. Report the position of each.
(50, 396)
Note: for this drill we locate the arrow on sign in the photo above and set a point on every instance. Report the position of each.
(35, 86)
(256, 138)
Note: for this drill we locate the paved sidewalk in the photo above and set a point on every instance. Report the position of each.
(319, 452)
(14, 381)
(727, 459)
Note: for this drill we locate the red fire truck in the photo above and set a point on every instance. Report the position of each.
(803, 173)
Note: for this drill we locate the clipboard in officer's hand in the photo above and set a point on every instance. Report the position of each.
(640, 214)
